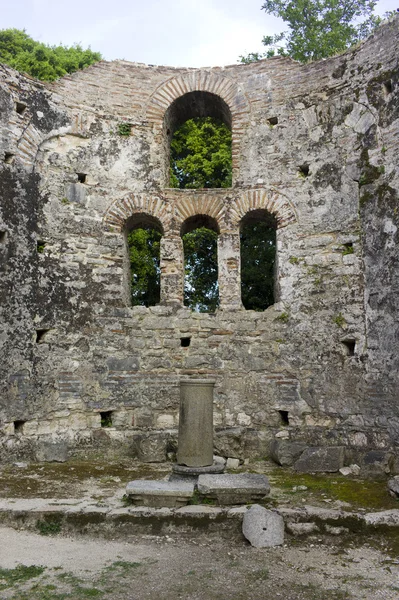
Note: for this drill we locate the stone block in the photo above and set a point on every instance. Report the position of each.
(284, 452)
(230, 442)
(263, 528)
(242, 488)
(377, 462)
(75, 192)
(150, 447)
(232, 463)
(52, 451)
(393, 486)
(167, 494)
(320, 460)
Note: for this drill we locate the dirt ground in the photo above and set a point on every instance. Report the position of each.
(152, 567)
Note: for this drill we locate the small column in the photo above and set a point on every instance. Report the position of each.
(172, 270)
(229, 267)
(195, 443)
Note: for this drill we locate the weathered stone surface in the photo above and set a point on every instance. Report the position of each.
(323, 460)
(393, 485)
(169, 494)
(232, 463)
(150, 447)
(263, 528)
(285, 453)
(234, 489)
(384, 517)
(377, 462)
(195, 443)
(314, 146)
(52, 451)
(302, 528)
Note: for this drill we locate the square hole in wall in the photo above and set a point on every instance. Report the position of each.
(106, 418)
(40, 245)
(8, 157)
(19, 426)
(272, 121)
(387, 87)
(81, 177)
(350, 347)
(3, 237)
(284, 418)
(41, 335)
(185, 342)
(303, 170)
(20, 108)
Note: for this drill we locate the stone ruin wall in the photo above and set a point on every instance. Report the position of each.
(317, 146)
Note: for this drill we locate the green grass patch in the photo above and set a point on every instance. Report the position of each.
(359, 493)
(21, 573)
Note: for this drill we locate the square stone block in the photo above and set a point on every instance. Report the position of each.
(168, 494)
(243, 488)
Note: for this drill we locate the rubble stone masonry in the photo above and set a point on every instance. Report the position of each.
(315, 145)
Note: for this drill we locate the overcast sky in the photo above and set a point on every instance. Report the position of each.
(163, 32)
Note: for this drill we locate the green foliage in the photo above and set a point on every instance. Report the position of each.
(339, 320)
(124, 129)
(258, 251)
(20, 51)
(201, 291)
(317, 28)
(201, 155)
(49, 527)
(347, 249)
(144, 251)
(284, 317)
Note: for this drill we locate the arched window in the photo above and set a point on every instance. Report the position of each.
(198, 126)
(201, 290)
(143, 234)
(258, 259)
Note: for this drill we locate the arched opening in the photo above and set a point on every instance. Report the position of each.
(201, 291)
(198, 127)
(143, 236)
(258, 259)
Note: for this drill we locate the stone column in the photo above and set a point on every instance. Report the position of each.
(229, 267)
(172, 270)
(195, 443)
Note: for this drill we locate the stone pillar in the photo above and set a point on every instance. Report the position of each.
(172, 270)
(195, 443)
(229, 267)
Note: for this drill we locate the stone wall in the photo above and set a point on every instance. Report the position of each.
(315, 145)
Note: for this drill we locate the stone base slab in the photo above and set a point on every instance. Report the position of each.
(168, 494)
(243, 488)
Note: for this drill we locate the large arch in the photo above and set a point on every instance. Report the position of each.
(203, 81)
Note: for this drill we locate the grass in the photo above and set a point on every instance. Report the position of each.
(49, 527)
(21, 573)
(359, 493)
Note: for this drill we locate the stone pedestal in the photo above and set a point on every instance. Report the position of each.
(195, 443)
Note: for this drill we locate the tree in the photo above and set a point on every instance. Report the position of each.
(317, 28)
(201, 154)
(201, 290)
(144, 251)
(20, 51)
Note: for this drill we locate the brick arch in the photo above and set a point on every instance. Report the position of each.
(200, 204)
(198, 81)
(271, 201)
(122, 209)
(204, 81)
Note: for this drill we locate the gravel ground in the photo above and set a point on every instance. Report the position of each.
(152, 567)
